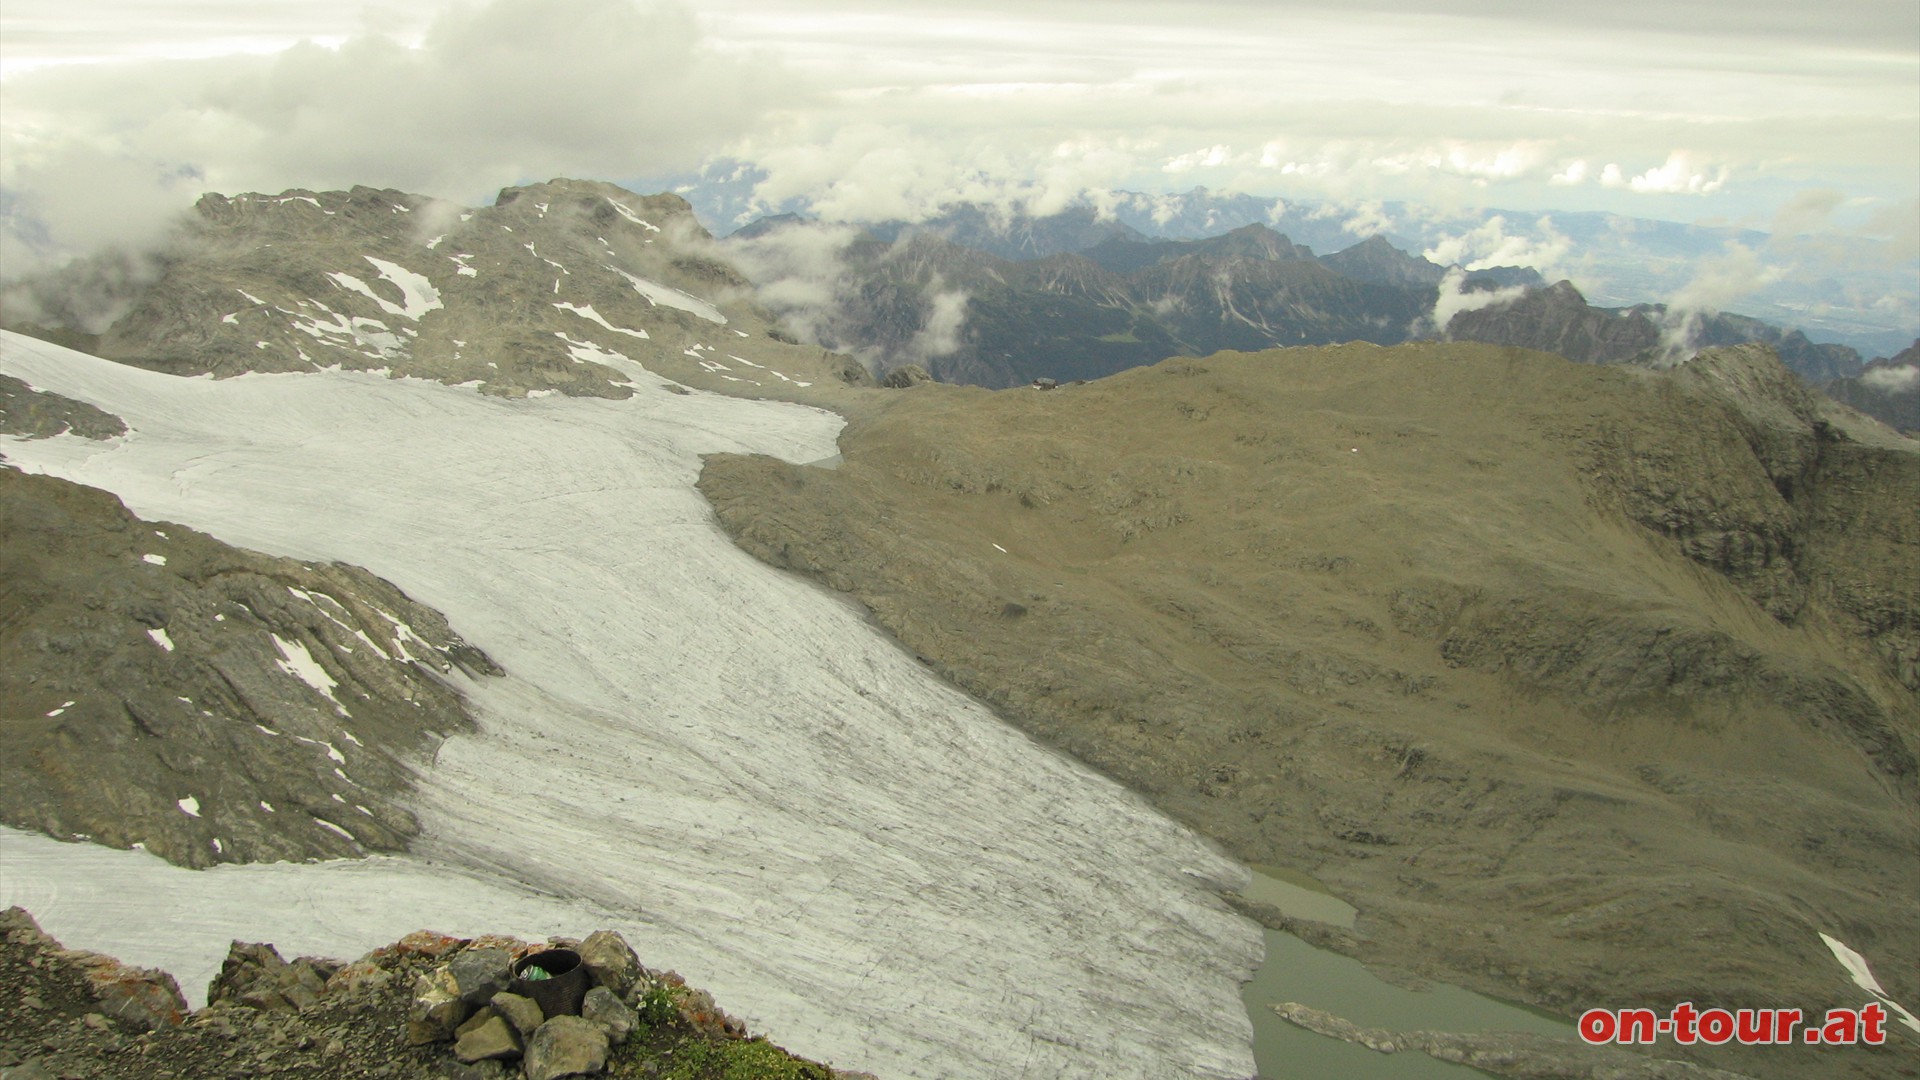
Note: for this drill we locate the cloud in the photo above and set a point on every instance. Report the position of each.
(1717, 282)
(511, 91)
(1541, 246)
(1807, 212)
(879, 172)
(1454, 298)
(800, 275)
(1681, 174)
(1893, 380)
(941, 330)
(1574, 173)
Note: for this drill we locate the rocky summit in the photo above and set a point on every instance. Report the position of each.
(1586, 685)
(567, 287)
(73, 1013)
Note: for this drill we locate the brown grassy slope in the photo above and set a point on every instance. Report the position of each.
(1585, 684)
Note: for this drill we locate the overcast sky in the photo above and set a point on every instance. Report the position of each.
(116, 111)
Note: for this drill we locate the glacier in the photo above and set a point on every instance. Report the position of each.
(730, 765)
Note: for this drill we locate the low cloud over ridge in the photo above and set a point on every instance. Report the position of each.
(493, 95)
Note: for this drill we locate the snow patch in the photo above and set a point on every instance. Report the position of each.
(161, 639)
(325, 824)
(666, 296)
(419, 294)
(296, 661)
(628, 213)
(586, 311)
(189, 806)
(157, 560)
(1862, 975)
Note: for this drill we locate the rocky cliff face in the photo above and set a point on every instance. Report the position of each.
(1558, 319)
(1588, 685)
(1888, 390)
(210, 704)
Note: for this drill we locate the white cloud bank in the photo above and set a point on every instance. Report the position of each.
(893, 111)
(492, 95)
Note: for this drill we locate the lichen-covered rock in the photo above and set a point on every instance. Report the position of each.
(522, 1012)
(610, 1013)
(566, 1046)
(437, 1008)
(493, 1039)
(611, 961)
(254, 975)
(144, 997)
(478, 974)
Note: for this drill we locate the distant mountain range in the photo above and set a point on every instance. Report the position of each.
(1851, 290)
(1002, 301)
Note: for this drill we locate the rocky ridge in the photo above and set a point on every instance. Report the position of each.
(74, 1014)
(567, 287)
(1888, 390)
(1009, 316)
(209, 704)
(1625, 657)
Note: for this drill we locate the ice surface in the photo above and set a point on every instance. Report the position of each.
(724, 762)
(667, 296)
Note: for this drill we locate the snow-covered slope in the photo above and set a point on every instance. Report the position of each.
(728, 764)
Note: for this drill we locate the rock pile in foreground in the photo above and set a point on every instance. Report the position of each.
(427, 1007)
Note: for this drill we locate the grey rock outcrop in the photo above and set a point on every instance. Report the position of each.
(906, 375)
(208, 703)
(38, 414)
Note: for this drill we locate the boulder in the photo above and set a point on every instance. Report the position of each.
(566, 1046)
(611, 961)
(906, 375)
(493, 1040)
(522, 1012)
(147, 998)
(437, 1008)
(478, 974)
(609, 1013)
